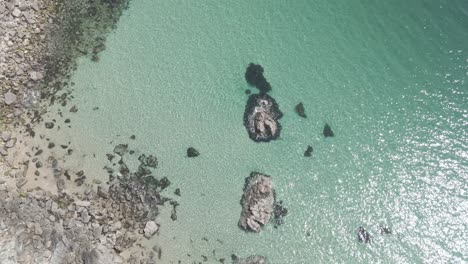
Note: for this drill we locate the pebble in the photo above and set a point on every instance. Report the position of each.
(21, 182)
(37, 229)
(36, 76)
(10, 143)
(6, 135)
(3, 151)
(82, 203)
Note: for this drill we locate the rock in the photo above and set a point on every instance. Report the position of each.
(60, 184)
(177, 192)
(74, 109)
(36, 76)
(150, 229)
(247, 91)
(254, 259)
(52, 218)
(23, 6)
(82, 203)
(280, 212)
(10, 98)
(21, 182)
(17, 112)
(257, 202)
(300, 110)
(363, 235)
(37, 229)
(254, 76)
(49, 125)
(51, 145)
(174, 213)
(10, 143)
(121, 149)
(150, 161)
(16, 12)
(327, 131)
(6, 136)
(192, 152)
(308, 151)
(261, 118)
(384, 230)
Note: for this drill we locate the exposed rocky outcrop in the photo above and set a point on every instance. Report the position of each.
(261, 118)
(257, 202)
(254, 76)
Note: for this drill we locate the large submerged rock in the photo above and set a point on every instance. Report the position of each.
(261, 118)
(257, 202)
(254, 76)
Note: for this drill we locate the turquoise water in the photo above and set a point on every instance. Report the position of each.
(389, 77)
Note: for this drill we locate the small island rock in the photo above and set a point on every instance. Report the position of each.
(261, 118)
(257, 202)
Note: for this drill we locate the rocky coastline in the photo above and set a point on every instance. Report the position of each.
(47, 214)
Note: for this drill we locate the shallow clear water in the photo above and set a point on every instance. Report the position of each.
(388, 77)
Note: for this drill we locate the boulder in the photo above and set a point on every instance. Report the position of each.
(261, 118)
(49, 125)
(254, 76)
(35, 76)
(150, 229)
(121, 149)
(257, 202)
(10, 98)
(5, 135)
(149, 161)
(327, 131)
(192, 152)
(300, 110)
(10, 143)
